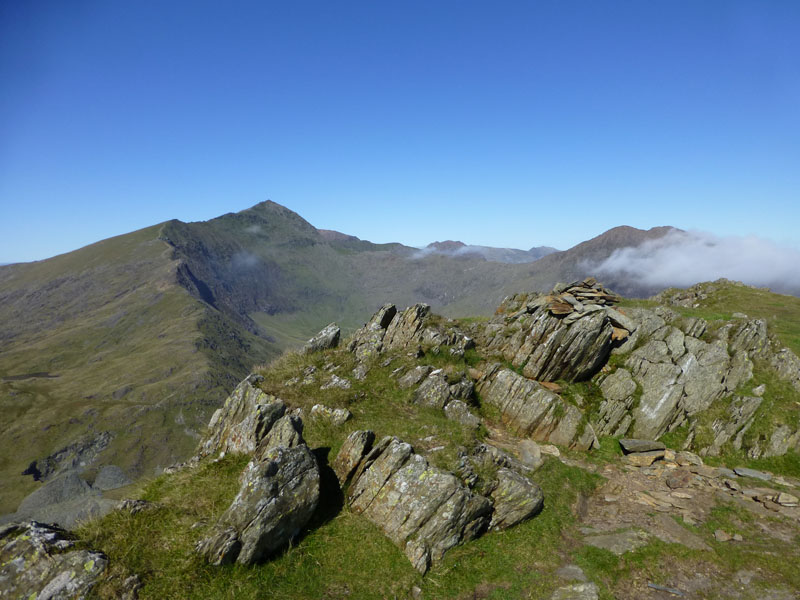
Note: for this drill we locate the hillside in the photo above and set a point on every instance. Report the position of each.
(117, 353)
(488, 458)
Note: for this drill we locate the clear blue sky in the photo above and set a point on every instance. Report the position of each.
(498, 123)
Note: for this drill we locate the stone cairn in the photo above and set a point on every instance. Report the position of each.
(573, 297)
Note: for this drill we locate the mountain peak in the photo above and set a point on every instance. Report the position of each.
(446, 246)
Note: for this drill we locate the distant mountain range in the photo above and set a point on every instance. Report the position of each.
(143, 335)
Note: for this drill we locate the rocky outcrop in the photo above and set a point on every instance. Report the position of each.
(43, 561)
(326, 339)
(681, 376)
(425, 511)
(278, 495)
(335, 416)
(412, 329)
(530, 409)
(243, 421)
(568, 334)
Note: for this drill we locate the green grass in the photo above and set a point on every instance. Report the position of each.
(341, 553)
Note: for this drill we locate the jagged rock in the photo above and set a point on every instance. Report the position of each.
(354, 448)
(423, 510)
(286, 432)
(42, 561)
(633, 445)
(686, 458)
(530, 409)
(405, 329)
(414, 376)
(111, 477)
(327, 338)
(516, 498)
(278, 496)
(336, 416)
(245, 418)
(750, 336)
(368, 341)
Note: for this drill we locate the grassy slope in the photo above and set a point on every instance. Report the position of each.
(126, 345)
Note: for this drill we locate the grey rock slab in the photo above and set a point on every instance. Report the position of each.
(630, 445)
(576, 591)
(42, 561)
(324, 340)
(745, 472)
(434, 391)
(618, 543)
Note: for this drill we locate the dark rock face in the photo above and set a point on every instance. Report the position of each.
(425, 511)
(530, 409)
(324, 340)
(42, 561)
(278, 495)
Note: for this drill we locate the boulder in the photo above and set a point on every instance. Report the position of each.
(414, 376)
(515, 497)
(43, 561)
(405, 329)
(324, 340)
(425, 511)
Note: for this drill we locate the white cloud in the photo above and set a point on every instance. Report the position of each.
(681, 259)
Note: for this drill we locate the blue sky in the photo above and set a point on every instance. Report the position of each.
(507, 123)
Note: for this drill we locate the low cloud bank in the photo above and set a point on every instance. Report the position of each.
(683, 258)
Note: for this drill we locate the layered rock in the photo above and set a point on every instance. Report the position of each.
(43, 561)
(425, 511)
(279, 488)
(242, 422)
(558, 336)
(530, 409)
(277, 498)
